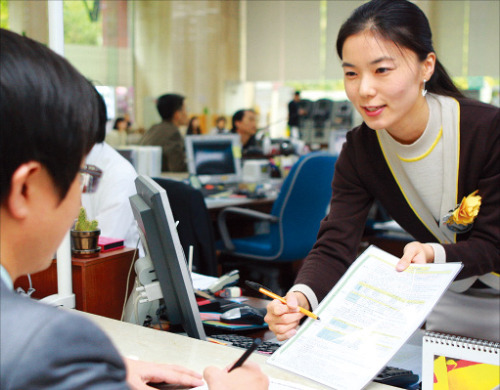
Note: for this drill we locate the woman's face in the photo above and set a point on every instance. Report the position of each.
(122, 125)
(384, 84)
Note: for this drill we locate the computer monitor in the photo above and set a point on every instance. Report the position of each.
(161, 243)
(214, 159)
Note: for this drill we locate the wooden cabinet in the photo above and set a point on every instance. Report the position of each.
(99, 283)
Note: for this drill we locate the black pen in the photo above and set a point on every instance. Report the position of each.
(246, 354)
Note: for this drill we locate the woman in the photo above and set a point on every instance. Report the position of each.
(194, 126)
(422, 148)
(118, 136)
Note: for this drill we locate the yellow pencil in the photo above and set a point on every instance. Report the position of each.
(270, 294)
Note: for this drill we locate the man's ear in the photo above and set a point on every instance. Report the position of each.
(18, 198)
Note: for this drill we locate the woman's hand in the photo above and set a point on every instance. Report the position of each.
(283, 319)
(415, 252)
(140, 373)
(248, 376)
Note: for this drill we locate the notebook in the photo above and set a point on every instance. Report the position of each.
(454, 362)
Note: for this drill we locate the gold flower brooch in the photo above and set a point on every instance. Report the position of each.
(461, 219)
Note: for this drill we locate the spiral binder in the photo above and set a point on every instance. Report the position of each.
(456, 359)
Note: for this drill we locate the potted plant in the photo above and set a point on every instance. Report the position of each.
(85, 236)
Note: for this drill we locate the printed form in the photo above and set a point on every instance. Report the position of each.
(365, 320)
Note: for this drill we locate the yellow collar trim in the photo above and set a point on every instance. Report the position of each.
(413, 159)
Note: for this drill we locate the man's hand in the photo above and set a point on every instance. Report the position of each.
(283, 319)
(140, 373)
(248, 376)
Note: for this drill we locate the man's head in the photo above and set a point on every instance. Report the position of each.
(220, 123)
(244, 122)
(50, 118)
(172, 109)
(296, 96)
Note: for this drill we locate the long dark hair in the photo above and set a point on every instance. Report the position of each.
(403, 23)
(191, 130)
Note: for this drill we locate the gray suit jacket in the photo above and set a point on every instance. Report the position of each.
(43, 347)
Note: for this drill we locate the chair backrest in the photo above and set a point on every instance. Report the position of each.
(195, 226)
(323, 108)
(301, 205)
(308, 106)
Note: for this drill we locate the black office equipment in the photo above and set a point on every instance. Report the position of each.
(195, 226)
(241, 341)
(243, 314)
(214, 159)
(398, 377)
(161, 242)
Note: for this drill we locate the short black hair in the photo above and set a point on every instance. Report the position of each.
(48, 112)
(103, 117)
(238, 116)
(168, 105)
(118, 120)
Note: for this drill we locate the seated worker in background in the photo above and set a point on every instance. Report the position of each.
(423, 148)
(41, 155)
(166, 134)
(245, 124)
(220, 126)
(110, 204)
(118, 135)
(194, 126)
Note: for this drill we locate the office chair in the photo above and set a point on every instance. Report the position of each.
(195, 226)
(294, 219)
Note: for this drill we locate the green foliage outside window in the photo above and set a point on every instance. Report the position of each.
(4, 14)
(78, 27)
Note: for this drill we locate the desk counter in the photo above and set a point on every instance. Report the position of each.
(164, 347)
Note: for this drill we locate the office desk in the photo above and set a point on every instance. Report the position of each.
(164, 347)
(98, 283)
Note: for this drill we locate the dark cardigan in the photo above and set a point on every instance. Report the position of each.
(362, 175)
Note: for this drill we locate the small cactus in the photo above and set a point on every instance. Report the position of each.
(83, 224)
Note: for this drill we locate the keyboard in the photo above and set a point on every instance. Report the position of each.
(215, 189)
(241, 341)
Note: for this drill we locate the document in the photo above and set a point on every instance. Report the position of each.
(364, 320)
(274, 384)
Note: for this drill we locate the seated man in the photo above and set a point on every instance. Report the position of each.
(49, 118)
(220, 126)
(245, 124)
(166, 134)
(110, 204)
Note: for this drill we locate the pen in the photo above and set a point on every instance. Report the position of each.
(261, 289)
(246, 354)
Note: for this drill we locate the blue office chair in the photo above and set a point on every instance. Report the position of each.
(294, 219)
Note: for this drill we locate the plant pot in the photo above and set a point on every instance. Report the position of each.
(85, 244)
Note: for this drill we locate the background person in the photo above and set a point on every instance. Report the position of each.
(220, 126)
(118, 135)
(166, 134)
(245, 124)
(194, 126)
(110, 204)
(422, 148)
(294, 115)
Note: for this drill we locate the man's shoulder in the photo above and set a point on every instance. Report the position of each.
(160, 131)
(52, 345)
